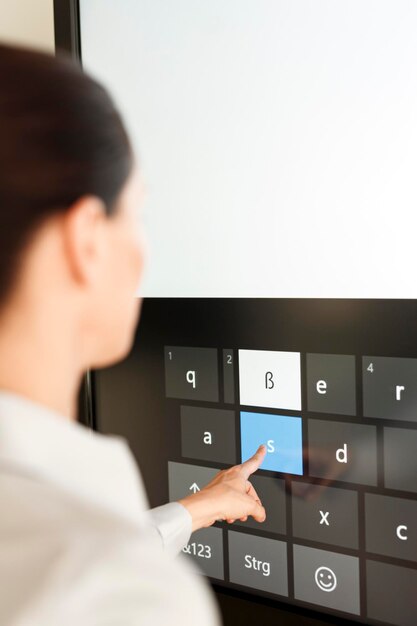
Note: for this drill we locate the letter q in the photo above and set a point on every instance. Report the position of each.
(191, 378)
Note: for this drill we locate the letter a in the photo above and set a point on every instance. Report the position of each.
(207, 438)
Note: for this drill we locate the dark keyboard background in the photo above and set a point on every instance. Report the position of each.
(130, 399)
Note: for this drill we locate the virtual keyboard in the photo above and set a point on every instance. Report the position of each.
(339, 482)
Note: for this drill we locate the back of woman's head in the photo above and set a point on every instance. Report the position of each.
(61, 138)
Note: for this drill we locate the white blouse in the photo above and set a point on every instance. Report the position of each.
(77, 544)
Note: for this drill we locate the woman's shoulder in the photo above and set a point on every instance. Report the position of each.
(79, 562)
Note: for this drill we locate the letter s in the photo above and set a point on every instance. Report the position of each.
(270, 445)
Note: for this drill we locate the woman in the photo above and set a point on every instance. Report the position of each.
(76, 546)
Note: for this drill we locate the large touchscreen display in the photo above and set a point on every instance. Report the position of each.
(277, 144)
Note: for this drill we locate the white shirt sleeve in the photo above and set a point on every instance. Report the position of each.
(173, 524)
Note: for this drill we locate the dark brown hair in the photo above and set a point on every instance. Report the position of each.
(61, 138)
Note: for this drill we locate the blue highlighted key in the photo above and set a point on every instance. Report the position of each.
(282, 435)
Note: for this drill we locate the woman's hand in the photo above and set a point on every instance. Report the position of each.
(229, 496)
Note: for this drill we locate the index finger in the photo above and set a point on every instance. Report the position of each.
(251, 465)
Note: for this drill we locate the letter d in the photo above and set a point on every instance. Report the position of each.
(341, 454)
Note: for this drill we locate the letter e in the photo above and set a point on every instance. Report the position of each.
(321, 387)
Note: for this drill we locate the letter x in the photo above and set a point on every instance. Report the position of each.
(324, 517)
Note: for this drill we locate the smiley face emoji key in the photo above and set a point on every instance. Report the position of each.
(325, 579)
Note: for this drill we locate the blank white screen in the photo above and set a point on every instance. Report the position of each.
(278, 141)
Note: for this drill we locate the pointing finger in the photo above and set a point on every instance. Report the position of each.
(251, 465)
